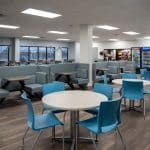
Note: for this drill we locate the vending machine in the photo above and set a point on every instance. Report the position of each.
(136, 56)
(145, 57)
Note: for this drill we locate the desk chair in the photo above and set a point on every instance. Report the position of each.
(39, 122)
(129, 76)
(134, 91)
(107, 120)
(142, 71)
(101, 88)
(51, 88)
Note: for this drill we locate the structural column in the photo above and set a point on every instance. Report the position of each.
(15, 50)
(86, 32)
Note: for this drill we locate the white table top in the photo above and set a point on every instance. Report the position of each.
(119, 81)
(74, 100)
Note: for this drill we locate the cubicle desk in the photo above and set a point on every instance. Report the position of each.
(20, 79)
(67, 76)
(74, 101)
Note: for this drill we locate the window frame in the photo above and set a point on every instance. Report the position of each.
(8, 55)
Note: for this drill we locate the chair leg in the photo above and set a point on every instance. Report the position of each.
(53, 133)
(95, 147)
(24, 136)
(63, 136)
(144, 108)
(121, 139)
(76, 136)
(36, 140)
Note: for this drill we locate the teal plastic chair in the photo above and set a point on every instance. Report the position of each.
(39, 122)
(105, 80)
(134, 91)
(146, 76)
(107, 120)
(129, 75)
(142, 71)
(101, 88)
(51, 88)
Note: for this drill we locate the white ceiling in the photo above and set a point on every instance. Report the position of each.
(124, 14)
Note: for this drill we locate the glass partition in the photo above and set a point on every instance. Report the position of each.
(42, 54)
(64, 51)
(50, 54)
(4, 54)
(33, 54)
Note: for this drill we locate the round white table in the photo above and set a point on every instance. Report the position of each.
(119, 81)
(74, 101)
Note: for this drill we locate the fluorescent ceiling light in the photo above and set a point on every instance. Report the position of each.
(57, 32)
(113, 40)
(147, 37)
(59, 39)
(8, 26)
(107, 27)
(95, 37)
(131, 33)
(31, 37)
(40, 13)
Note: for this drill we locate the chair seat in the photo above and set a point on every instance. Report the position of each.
(93, 111)
(52, 110)
(45, 121)
(33, 88)
(3, 93)
(91, 124)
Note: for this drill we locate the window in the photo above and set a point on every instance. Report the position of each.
(42, 53)
(33, 54)
(24, 54)
(64, 51)
(4, 54)
(50, 54)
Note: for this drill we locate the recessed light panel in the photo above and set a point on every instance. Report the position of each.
(95, 37)
(107, 27)
(30, 37)
(113, 40)
(131, 33)
(40, 13)
(8, 26)
(57, 32)
(59, 39)
(147, 37)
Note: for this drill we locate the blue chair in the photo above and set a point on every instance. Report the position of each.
(134, 91)
(129, 76)
(107, 120)
(51, 88)
(146, 77)
(142, 71)
(101, 88)
(105, 80)
(39, 122)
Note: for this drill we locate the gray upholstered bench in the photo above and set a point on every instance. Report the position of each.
(3, 93)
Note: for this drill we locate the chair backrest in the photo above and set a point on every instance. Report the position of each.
(109, 114)
(142, 71)
(133, 90)
(147, 75)
(104, 78)
(52, 87)
(105, 89)
(129, 76)
(30, 111)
